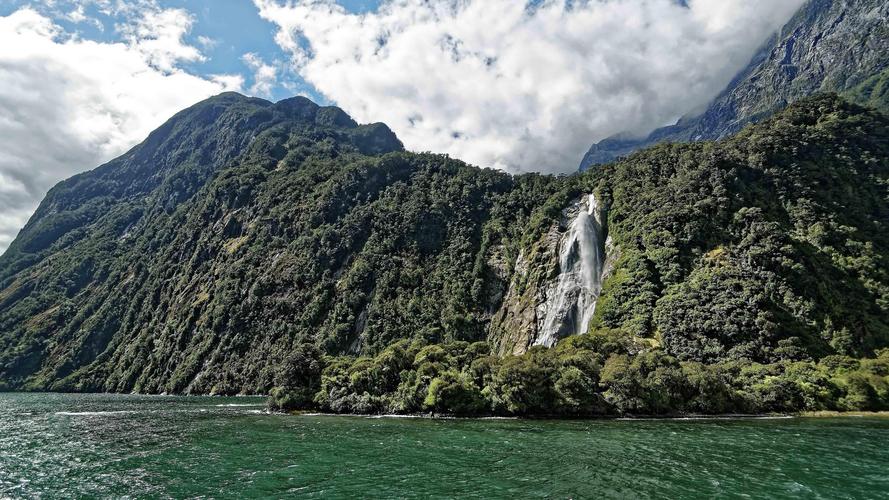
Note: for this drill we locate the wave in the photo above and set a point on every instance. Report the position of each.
(93, 413)
(425, 416)
(710, 417)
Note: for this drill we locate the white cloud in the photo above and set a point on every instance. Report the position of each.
(229, 82)
(158, 33)
(504, 84)
(206, 42)
(68, 104)
(264, 75)
(77, 15)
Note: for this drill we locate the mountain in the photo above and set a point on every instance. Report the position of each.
(828, 46)
(744, 276)
(241, 231)
(194, 261)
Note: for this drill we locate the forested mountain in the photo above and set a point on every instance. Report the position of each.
(244, 243)
(828, 46)
(750, 275)
(194, 261)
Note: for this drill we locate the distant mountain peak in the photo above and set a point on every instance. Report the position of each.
(828, 46)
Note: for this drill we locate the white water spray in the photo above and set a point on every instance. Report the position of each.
(571, 303)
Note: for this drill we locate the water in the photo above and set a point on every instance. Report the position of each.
(570, 307)
(54, 446)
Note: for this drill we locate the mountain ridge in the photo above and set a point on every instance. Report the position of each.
(253, 247)
(206, 282)
(811, 53)
(231, 111)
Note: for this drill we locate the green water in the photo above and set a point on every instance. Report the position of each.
(54, 445)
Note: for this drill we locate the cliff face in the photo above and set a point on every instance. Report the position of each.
(557, 281)
(828, 46)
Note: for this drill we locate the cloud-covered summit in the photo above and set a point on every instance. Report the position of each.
(522, 87)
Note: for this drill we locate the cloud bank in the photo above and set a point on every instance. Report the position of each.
(69, 104)
(522, 87)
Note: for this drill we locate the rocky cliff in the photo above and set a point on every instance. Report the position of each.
(829, 45)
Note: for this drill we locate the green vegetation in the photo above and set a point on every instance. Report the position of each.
(250, 247)
(599, 374)
(873, 92)
(196, 261)
(769, 246)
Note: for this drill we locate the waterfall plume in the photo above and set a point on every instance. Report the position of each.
(571, 302)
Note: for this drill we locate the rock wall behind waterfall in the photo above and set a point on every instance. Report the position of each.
(571, 299)
(556, 281)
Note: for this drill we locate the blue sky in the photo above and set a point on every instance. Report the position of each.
(234, 27)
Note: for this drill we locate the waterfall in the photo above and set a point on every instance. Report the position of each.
(571, 302)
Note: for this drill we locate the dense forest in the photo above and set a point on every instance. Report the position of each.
(599, 374)
(251, 247)
(195, 261)
(752, 277)
(767, 246)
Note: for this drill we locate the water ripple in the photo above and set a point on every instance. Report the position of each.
(61, 446)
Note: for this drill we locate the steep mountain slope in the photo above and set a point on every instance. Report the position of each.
(241, 229)
(769, 245)
(193, 262)
(829, 45)
(873, 92)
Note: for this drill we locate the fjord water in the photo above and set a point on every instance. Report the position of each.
(57, 445)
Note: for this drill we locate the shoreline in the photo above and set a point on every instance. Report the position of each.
(766, 416)
(844, 414)
(727, 416)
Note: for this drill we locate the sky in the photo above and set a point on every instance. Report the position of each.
(515, 86)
